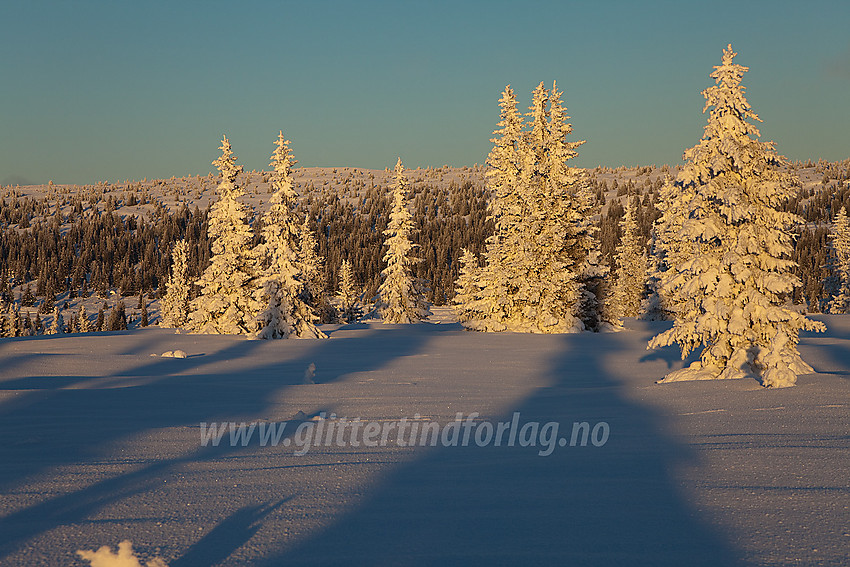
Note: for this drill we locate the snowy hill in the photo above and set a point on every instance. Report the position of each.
(103, 442)
(352, 182)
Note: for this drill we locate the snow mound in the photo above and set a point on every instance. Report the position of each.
(174, 354)
(125, 557)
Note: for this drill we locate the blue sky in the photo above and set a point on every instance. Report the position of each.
(125, 90)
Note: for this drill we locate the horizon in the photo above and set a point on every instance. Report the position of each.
(104, 91)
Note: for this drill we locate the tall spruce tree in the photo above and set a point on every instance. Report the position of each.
(726, 248)
(83, 320)
(174, 308)
(540, 251)
(224, 305)
(839, 263)
(5, 322)
(467, 298)
(57, 324)
(282, 311)
(505, 209)
(631, 270)
(400, 297)
(312, 268)
(348, 296)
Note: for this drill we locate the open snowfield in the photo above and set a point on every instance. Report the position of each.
(101, 442)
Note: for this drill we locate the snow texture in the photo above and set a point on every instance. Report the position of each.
(102, 444)
(125, 557)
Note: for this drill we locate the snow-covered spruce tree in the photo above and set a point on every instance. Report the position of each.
(542, 244)
(57, 325)
(654, 306)
(348, 296)
(29, 328)
(5, 325)
(840, 264)
(631, 270)
(467, 299)
(312, 268)
(83, 320)
(15, 323)
(400, 297)
(117, 320)
(282, 312)
(175, 304)
(505, 209)
(224, 305)
(727, 248)
(100, 324)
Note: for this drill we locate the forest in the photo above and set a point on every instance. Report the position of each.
(113, 240)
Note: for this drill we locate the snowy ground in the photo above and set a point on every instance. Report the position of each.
(102, 442)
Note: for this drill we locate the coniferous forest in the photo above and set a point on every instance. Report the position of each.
(114, 240)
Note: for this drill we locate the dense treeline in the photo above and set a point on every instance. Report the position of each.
(447, 219)
(75, 248)
(92, 250)
(77, 243)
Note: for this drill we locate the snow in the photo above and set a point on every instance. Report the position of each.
(102, 445)
(124, 557)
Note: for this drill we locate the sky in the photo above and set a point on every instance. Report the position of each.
(114, 90)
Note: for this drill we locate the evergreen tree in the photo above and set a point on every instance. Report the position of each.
(57, 325)
(840, 263)
(28, 327)
(5, 323)
(727, 248)
(101, 317)
(466, 302)
(144, 315)
(626, 297)
(400, 296)
(505, 210)
(282, 311)
(16, 322)
(174, 308)
(117, 320)
(28, 299)
(311, 266)
(49, 299)
(655, 307)
(348, 295)
(540, 253)
(83, 319)
(224, 305)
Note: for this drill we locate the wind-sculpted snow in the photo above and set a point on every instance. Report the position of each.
(102, 444)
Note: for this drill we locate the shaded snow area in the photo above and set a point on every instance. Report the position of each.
(102, 443)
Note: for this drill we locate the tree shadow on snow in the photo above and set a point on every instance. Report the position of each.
(615, 504)
(49, 428)
(230, 534)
